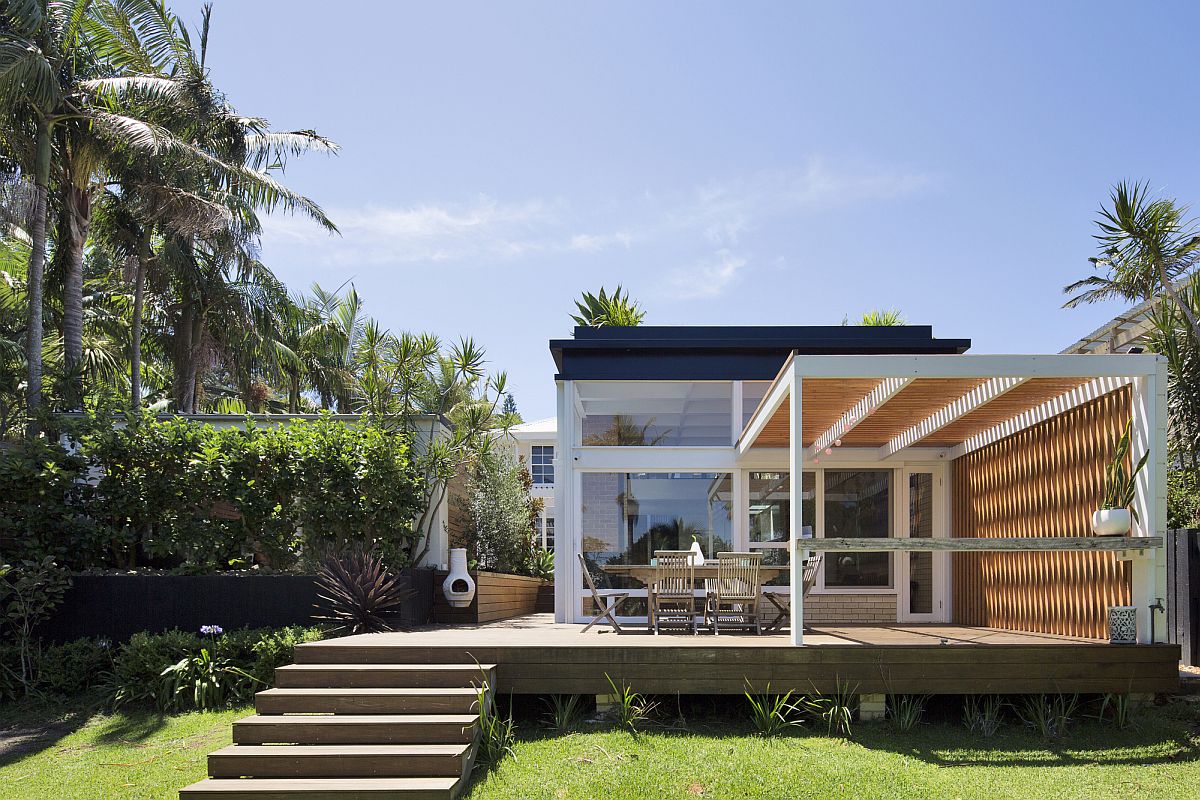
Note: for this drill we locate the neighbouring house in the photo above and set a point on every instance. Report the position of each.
(916, 467)
(534, 443)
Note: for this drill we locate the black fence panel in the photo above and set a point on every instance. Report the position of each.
(118, 606)
(1183, 593)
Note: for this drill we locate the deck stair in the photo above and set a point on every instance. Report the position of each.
(353, 732)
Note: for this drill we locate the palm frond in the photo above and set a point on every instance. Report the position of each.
(26, 76)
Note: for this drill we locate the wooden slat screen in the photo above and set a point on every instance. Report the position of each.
(1043, 481)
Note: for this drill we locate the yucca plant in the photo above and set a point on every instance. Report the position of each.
(605, 310)
(772, 714)
(497, 734)
(1049, 715)
(631, 708)
(1120, 486)
(358, 592)
(905, 710)
(983, 715)
(563, 712)
(1118, 707)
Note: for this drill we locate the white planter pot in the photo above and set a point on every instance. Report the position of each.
(458, 587)
(1122, 624)
(1112, 521)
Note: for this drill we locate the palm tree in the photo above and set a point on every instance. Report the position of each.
(615, 310)
(227, 161)
(1147, 247)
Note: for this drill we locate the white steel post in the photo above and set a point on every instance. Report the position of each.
(1149, 433)
(566, 537)
(796, 493)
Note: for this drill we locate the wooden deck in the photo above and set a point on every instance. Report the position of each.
(533, 655)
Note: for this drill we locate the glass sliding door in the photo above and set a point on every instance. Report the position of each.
(770, 509)
(921, 571)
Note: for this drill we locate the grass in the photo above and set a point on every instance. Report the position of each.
(1160, 758)
(86, 754)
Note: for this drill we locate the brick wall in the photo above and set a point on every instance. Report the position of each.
(850, 608)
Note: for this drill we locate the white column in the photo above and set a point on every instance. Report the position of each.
(795, 498)
(566, 537)
(1149, 432)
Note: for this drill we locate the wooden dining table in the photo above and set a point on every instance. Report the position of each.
(644, 574)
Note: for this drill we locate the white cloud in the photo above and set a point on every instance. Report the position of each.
(594, 243)
(708, 278)
(382, 234)
(704, 225)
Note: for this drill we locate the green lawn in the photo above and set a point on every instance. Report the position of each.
(1159, 759)
(91, 755)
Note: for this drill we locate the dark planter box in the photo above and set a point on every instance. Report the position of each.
(118, 606)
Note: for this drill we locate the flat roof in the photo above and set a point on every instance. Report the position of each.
(737, 352)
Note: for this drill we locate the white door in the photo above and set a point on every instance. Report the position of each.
(922, 573)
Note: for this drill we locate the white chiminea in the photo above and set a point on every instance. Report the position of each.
(458, 587)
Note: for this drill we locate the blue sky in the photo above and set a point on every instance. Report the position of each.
(729, 163)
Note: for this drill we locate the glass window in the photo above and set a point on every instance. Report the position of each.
(656, 413)
(858, 504)
(626, 516)
(770, 516)
(753, 393)
(541, 465)
(920, 526)
(548, 534)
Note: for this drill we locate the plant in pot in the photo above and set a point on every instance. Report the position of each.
(1115, 516)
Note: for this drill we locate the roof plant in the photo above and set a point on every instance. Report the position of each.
(605, 310)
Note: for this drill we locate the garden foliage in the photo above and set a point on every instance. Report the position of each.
(171, 671)
(175, 493)
(502, 516)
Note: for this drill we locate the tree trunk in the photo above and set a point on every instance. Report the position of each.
(35, 279)
(135, 355)
(77, 216)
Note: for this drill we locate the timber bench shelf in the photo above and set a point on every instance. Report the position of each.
(983, 544)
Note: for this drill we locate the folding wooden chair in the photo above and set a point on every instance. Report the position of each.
(673, 595)
(610, 602)
(733, 596)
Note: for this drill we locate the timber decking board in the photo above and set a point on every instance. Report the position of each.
(536, 656)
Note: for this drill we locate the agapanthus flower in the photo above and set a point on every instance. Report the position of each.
(211, 630)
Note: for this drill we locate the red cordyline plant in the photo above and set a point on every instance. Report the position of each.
(358, 592)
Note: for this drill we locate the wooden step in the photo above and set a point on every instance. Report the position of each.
(356, 729)
(367, 701)
(339, 761)
(371, 676)
(323, 789)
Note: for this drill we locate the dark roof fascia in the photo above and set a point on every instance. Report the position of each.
(728, 353)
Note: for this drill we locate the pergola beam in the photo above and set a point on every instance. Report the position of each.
(985, 544)
(885, 391)
(979, 396)
(778, 392)
(1051, 408)
(972, 366)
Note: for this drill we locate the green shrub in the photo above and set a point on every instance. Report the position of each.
(42, 506)
(180, 671)
(1183, 499)
(502, 515)
(139, 664)
(73, 668)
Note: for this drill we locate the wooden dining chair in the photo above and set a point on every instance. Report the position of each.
(733, 597)
(673, 593)
(609, 601)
